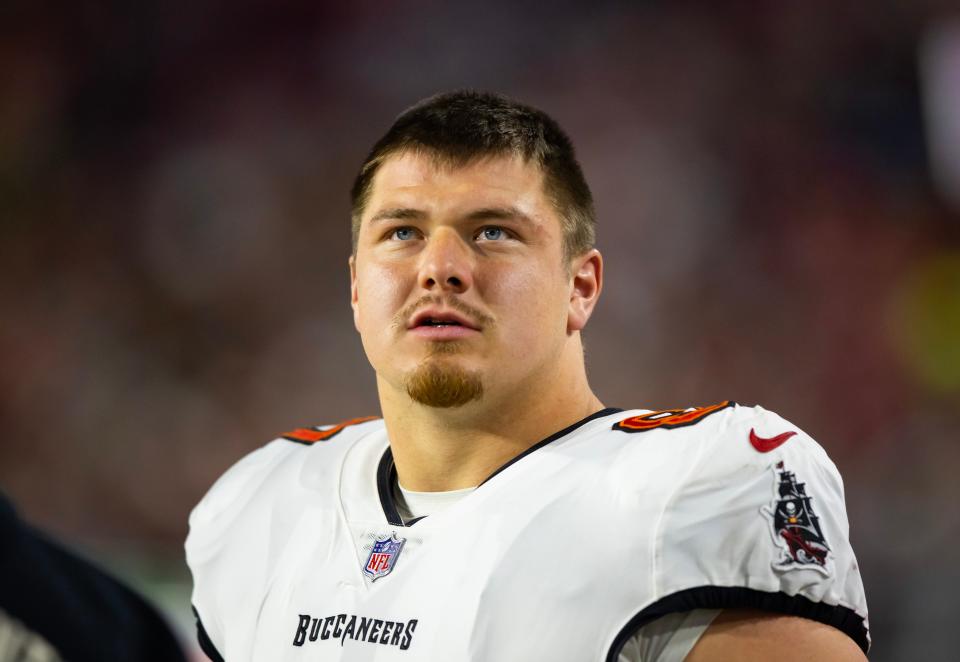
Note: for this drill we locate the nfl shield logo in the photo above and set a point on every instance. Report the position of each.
(383, 556)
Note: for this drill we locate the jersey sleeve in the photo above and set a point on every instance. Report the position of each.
(760, 522)
(216, 526)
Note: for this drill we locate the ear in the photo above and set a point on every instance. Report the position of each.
(354, 294)
(585, 285)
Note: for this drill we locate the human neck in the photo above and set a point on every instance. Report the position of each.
(447, 449)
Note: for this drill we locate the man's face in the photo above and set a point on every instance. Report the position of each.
(459, 286)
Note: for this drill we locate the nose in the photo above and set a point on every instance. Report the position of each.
(446, 263)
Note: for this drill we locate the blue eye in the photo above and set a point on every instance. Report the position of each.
(403, 234)
(493, 233)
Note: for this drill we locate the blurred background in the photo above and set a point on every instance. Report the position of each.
(778, 191)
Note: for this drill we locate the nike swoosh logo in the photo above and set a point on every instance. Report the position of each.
(765, 445)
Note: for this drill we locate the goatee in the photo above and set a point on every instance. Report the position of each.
(437, 383)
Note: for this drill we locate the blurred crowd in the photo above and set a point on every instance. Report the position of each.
(174, 233)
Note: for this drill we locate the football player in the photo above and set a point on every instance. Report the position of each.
(498, 510)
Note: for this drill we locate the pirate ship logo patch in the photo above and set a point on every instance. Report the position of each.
(796, 528)
(383, 556)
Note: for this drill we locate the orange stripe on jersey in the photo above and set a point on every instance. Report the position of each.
(312, 435)
(669, 418)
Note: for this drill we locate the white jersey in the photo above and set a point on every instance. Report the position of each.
(299, 552)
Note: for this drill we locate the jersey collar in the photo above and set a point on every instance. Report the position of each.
(387, 470)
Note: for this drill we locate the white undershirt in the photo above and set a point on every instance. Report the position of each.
(667, 639)
(412, 505)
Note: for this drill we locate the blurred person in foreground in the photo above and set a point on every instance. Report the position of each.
(56, 606)
(498, 510)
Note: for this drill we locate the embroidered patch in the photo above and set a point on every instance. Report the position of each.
(383, 556)
(795, 527)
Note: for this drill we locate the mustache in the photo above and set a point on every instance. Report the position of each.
(477, 316)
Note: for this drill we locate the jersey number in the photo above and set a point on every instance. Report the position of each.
(669, 418)
(313, 435)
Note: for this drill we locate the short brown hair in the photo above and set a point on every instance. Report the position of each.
(462, 126)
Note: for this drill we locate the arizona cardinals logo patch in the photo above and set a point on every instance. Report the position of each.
(796, 528)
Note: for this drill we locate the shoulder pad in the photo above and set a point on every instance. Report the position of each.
(758, 520)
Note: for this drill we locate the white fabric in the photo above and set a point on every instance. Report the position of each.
(413, 504)
(551, 559)
(670, 638)
(667, 639)
(19, 642)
